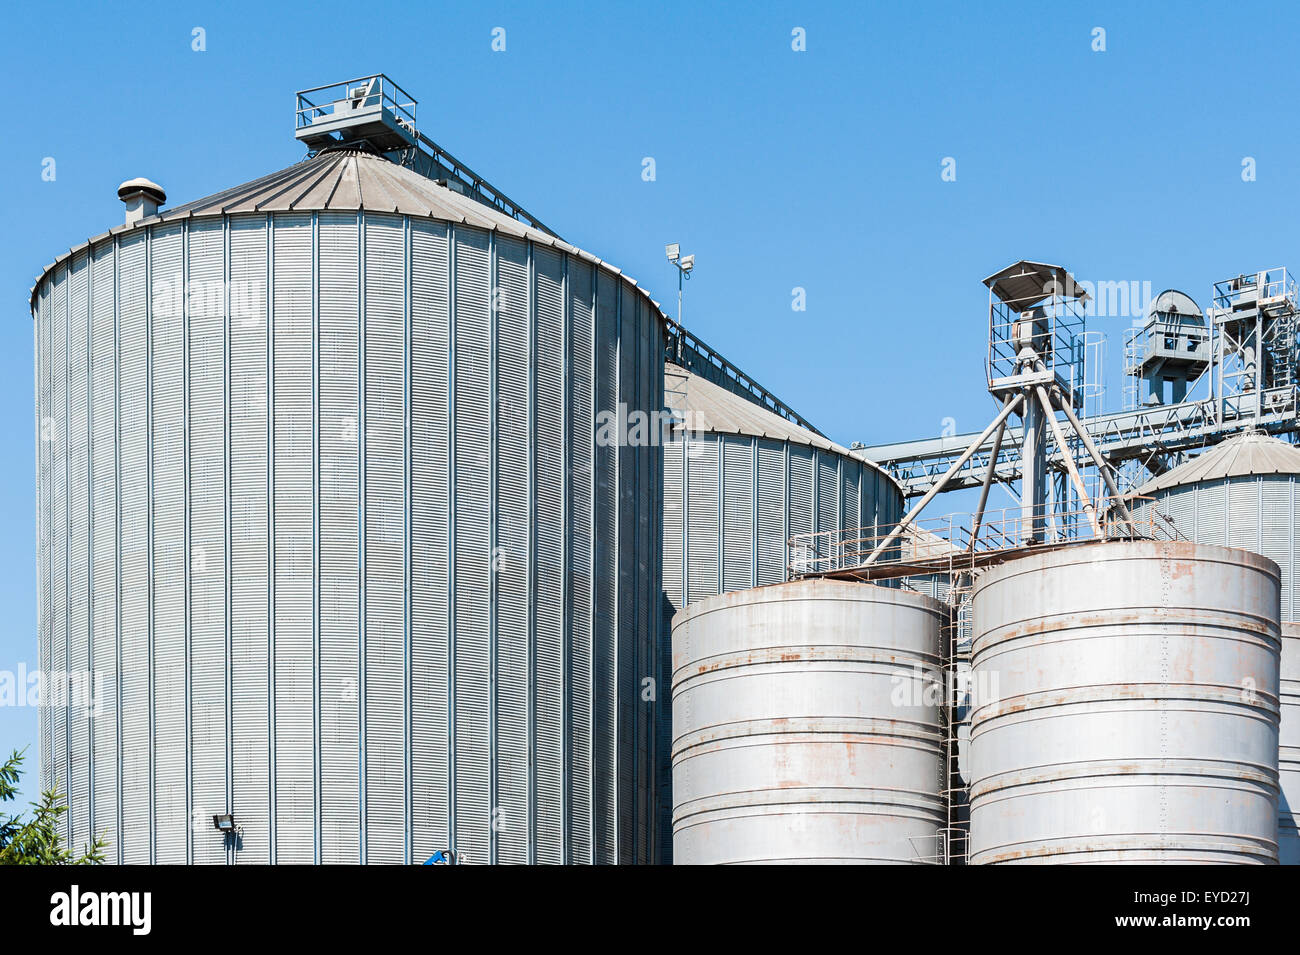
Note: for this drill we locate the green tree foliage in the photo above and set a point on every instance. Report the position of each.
(37, 840)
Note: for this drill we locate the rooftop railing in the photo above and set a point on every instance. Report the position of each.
(958, 540)
(374, 90)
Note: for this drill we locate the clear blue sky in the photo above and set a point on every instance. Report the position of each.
(817, 169)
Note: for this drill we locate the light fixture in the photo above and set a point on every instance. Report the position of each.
(224, 823)
(684, 264)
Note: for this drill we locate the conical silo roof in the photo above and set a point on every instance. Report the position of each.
(711, 408)
(1251, 452)
(349, 180)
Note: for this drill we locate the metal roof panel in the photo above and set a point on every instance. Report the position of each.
(1024, 284)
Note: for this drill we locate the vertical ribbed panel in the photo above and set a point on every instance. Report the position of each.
(674, 555)
(1211, 524)
(608, 477)
(472, 563)
(633, 623)
(338, 545)
(511, 557)
(851, 478)
(429, 522)
(46, 435)
(801, 499)
(59, 555)
(737, 513)
(1243, 517)
(772, 510)
(294, 667)
(648, 386)
(581, 554)
(828, 492)
(167, 408)
(385, 669)
(1277, 530)
(228, 493)
(895, 505)
(1181, 509)
(78, 781)
(249, 555)
(702, 518)
(625, 672)
(103, 547)
(549, 471)
(207, 557)
(134, 466)
(674, 524)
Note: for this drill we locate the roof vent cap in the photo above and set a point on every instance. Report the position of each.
(142, 198)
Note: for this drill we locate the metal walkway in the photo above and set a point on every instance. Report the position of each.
(1147, 434)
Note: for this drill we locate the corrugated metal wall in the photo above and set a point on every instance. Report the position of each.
(730, 504)
(322, 507)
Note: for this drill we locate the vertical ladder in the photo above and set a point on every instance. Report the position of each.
(957, 656)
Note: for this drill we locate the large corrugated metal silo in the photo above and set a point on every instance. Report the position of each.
(739, 482)
(1126, 706)
(806, 726)
(322, 501)
(1245, 493)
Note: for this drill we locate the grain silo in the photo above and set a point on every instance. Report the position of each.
(806, 726)
(323, 502)
(1126, 706)
(1244, 493)
(739, 482)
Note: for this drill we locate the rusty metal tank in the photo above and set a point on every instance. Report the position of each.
(806, 722)
(1288, 805)
(1127, 706)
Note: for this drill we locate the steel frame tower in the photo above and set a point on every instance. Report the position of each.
(1255, 319)
(1034, 356)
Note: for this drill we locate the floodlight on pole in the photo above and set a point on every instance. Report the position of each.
(685, 265)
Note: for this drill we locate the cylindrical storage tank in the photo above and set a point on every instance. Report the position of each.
(739, 482)
(333, 502)
(806, 726)
(1288, 763)
(1126, 706)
